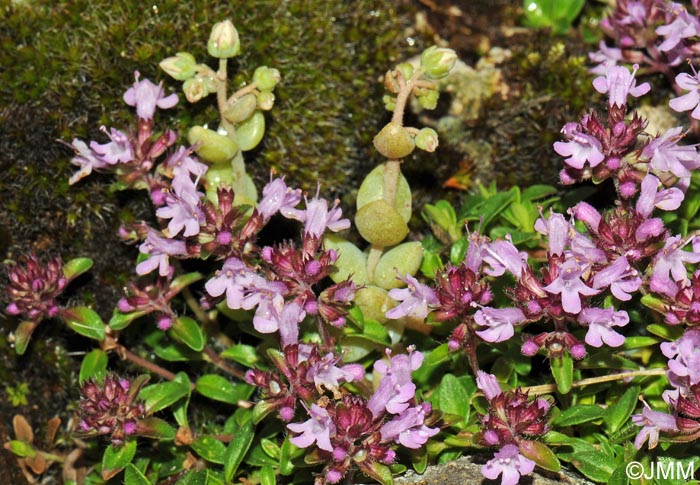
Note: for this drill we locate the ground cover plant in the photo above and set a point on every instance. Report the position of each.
(540, 330)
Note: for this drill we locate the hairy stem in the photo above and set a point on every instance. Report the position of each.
(547, 388)
(219, 362)
(127, 354)
(221, 79)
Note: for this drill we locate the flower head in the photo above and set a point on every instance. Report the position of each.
(652, 423)
(110, 408)
(600, 322)
(414, 299)
(509, 463)
(691, 99)
(318, 429)
(145, 96)
(618, 82)
(34, 286)
(160, 249)
(277, 196)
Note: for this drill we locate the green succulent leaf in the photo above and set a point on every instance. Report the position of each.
(372, 188)
(351, 262)
(404, 258)
(250, 132)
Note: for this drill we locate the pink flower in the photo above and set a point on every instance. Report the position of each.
(618, 82)
(488, 384)
(653, 422)
(277, 196)
(569, 285)
(670, 262)
(414, 299)
(146, 96)
(317, 217)
(396, 387)
(499, 321)
(503, 256)
(600, 322)
(580, 148)
(666, 155)
(650, 197)
(557, 228)
(690, 100)
(118, 150)
(319, 429)
(86, 159)
(160, 250)
(408, 428)
(509, 463)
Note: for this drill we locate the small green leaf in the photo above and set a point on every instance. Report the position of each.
(267, 475)
(221, 389)
(246, 355)
(619, 412)
(84, 321)
(23, 333)
(75, 267)
(156, 428)
(452, 397)
(581, 413)
(595, 465)
(540, 454)
(237, 449)
(180, 407)
(271, 448)
(535, 192)
(187, 331)
(134, 476)
(487, 210)
(458, 250)
(120, 321)
(666, 332)
(160, 396)
(210, 449)
(287, 452)
(115, 459)
(185, 280)
(21, 448)
(94, 366)
(563, 372)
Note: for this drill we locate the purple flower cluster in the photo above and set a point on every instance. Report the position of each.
(657, 34)
(348, 430)
(110, 408)
(511, 424)
(33, 287)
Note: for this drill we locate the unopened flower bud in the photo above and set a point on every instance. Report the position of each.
(223, 41)
(266, 100)
(429, 99)
(529, 348)
(266, 78)
(406, 70)
(195, 89)
(437, 61)
(390, 82)
(181, 66)
(389, 102)
(427, 139)
(577, 351)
